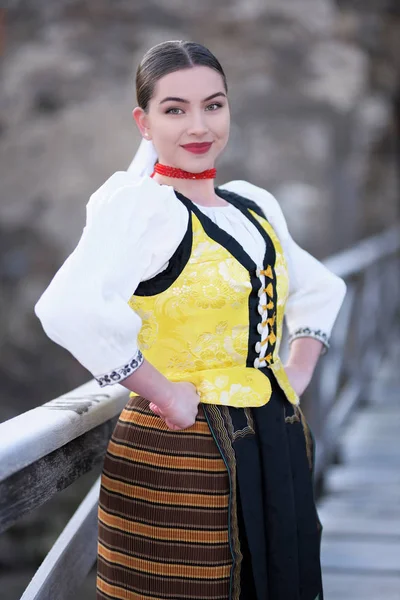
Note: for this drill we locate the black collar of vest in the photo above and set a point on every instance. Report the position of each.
(225, 239)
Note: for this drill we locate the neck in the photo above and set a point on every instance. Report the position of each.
(199, 190)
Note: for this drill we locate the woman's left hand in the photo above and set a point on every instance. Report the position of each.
(299, 378)
(303, 357)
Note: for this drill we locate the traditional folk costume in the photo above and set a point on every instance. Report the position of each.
(224, 509)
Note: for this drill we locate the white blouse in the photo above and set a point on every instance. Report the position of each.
(234, 222)
(133, 227)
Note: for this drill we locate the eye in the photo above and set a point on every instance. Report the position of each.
(173, 111)
(214, 106)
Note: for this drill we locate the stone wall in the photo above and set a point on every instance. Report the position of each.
(314, 87)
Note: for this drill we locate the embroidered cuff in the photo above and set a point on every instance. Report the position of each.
(118, 375)
(317, 334)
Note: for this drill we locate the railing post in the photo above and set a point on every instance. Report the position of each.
(72, 556)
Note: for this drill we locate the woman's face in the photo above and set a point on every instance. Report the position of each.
(188, 118)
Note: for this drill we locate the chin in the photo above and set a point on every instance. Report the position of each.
(199, 168)
(198, 164)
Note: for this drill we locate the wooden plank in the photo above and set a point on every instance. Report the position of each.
(350, 555)
(72, 556)
(377, 508)
(367, 586)
(342, 478)
(37, 483)
(348, 480)
(385, 434)
(373, 456)
(355, 524)
(346, 486)
(373, 440)
(378, 421)
(369, 439)
(388, 398)
(38, 432)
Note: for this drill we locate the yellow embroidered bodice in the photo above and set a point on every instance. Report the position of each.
(200, 328)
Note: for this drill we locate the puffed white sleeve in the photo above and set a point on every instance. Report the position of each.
(315, 293)
(133, 226)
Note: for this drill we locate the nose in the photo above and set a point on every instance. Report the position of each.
(198, 125)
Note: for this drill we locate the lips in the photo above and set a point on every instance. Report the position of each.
(198, 148)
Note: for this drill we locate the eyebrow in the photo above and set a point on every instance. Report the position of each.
(176, 99)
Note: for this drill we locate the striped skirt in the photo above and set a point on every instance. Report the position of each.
(223, 510)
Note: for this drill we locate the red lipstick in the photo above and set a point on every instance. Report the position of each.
(200, 148)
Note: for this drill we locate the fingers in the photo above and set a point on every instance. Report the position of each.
(154, 408)
(172, 426)
(157, 411)
(168, 423)
(187, 419)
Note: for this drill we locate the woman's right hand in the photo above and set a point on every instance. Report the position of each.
(181, 411)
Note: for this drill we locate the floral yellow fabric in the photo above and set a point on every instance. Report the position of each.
(197, 330)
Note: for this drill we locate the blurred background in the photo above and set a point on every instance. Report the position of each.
(315, 99)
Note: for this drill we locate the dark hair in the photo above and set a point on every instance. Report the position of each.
(169, 57)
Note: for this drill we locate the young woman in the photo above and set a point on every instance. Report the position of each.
(177, 290)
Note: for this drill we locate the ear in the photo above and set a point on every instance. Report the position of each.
(141, 120)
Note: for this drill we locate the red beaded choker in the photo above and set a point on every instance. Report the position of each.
(181, 174)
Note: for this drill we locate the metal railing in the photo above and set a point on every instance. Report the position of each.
(46, 449)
